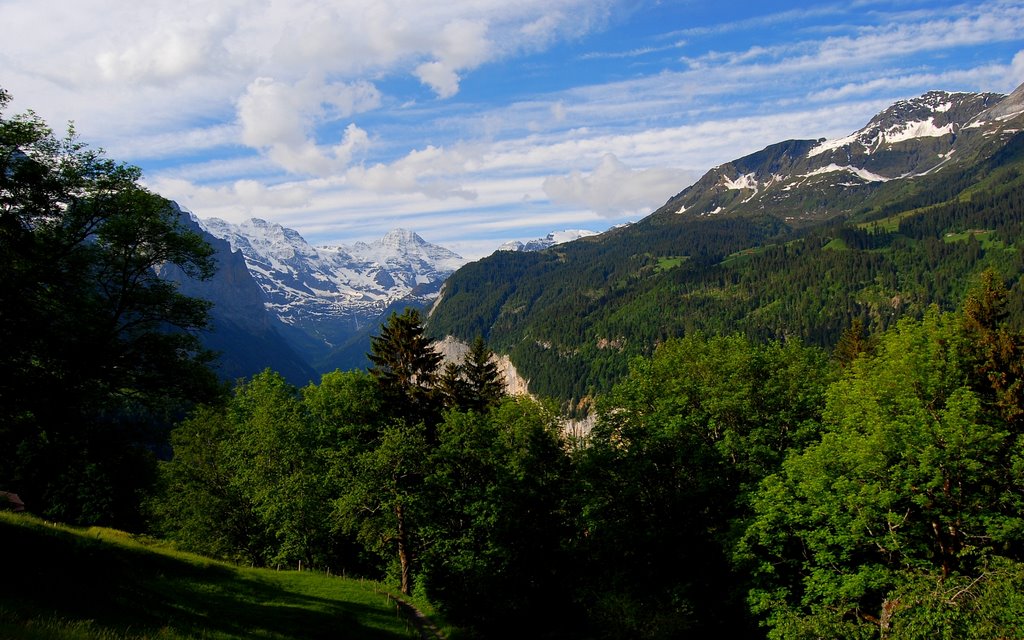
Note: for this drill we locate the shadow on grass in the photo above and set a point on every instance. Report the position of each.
(54, 573)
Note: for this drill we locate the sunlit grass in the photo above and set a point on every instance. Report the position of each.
(102, 584)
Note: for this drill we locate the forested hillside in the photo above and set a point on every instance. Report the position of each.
(571, 317)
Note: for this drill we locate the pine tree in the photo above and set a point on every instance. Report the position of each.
(405, 366)
(483, 381)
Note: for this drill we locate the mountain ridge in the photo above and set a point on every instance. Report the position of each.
(792, 241)
(911, 138)
(330, 296)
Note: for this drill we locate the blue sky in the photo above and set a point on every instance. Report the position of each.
(479, 121)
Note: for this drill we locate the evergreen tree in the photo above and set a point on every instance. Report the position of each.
(853, 342)
(381, 502)
(452, 386)
(405, 366)
(483, 381)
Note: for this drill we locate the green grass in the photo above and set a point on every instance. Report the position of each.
(891, 224)
(984, 236)
(669, 262)
(736, 257)
(100, 584)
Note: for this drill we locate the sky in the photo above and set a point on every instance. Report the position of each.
(475, 122)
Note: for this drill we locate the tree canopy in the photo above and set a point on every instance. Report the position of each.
(97, 348)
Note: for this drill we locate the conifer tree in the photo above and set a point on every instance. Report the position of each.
(483, 382)
(405, 366)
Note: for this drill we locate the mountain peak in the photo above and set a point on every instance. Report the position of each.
(553, 238)
(1007, 108)
(911, 138)
(401, 238)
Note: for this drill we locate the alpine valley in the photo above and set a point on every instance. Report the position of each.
(328, 300)
(802, 239)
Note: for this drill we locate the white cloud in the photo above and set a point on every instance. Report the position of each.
(280, 119)
(439, 77)
(433, 172)
(613, 189)
(169, 62)
(236, 201)
(463, 45)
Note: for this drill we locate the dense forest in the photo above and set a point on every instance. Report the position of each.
(738, 481)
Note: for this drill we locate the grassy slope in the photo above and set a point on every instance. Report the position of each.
(59, 582)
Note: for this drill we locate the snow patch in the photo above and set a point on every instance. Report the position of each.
(914, 130)
(832, 145)
(553, 238)
(863, 174)
(745, 181)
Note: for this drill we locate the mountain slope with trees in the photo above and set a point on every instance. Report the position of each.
(783, 243)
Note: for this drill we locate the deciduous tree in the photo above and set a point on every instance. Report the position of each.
(97, 349)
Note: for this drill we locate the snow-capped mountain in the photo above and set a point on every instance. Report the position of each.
(247, 337)
(912, 138)
(553, 238)
(330, 293)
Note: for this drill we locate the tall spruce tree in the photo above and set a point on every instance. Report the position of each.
(405, 366)
(483, 381)
(382, 503)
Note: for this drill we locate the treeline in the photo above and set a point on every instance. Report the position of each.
(730, 487)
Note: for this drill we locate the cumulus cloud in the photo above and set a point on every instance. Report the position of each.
(179, 62)
(463, 45)
(432, 171)
(281, 118)
(236, 200)
(439, 77)
(614, 189)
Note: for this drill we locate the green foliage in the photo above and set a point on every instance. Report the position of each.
(255, 479)
(475, 384)
(99, 352)
(497, 492)
(405, 366)
(199, 504)
(101, 584)
(677, 446)
(382, 501)
(913, 492)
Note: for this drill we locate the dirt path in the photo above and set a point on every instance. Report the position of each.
(425, 627)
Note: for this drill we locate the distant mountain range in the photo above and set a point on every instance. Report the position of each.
(570, 322)
(246, 335)
(302, 310)
(330, 298)
(793, 241)
(550, 240)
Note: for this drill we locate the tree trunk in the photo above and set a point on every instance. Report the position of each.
(885, 623)
(404, 558)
